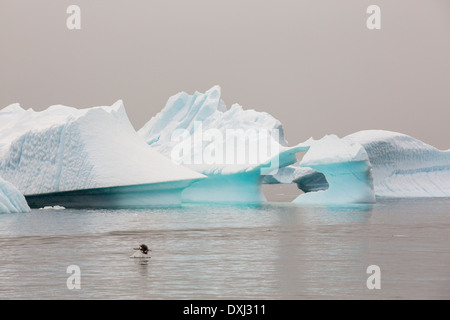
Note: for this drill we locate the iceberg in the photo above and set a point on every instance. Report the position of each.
(347, 169)
(202, 127)
(85, 158)
(402, 166)
(235, 148)
(11, 200)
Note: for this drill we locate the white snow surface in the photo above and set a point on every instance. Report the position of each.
(331, 149)
(66, 149)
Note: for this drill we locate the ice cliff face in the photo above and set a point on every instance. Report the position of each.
(404, 166)
(11, 200)
(347, 169)
(66, 149)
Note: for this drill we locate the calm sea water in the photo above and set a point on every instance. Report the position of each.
(273, 251)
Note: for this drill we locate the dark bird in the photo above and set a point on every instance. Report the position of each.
(143, 248)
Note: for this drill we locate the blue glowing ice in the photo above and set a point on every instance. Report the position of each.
(11, 200)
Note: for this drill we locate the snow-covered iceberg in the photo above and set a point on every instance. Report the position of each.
(234, 147)
(402, 166)
(347, 169)
(11, 200)
(85, 158)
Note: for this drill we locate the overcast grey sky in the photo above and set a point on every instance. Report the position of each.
(312, 64)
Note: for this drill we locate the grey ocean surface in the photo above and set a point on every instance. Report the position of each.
(274, 251)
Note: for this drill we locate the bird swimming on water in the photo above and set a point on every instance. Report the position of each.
(143, 251)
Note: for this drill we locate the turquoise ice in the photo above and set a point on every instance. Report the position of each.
(11, 200)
